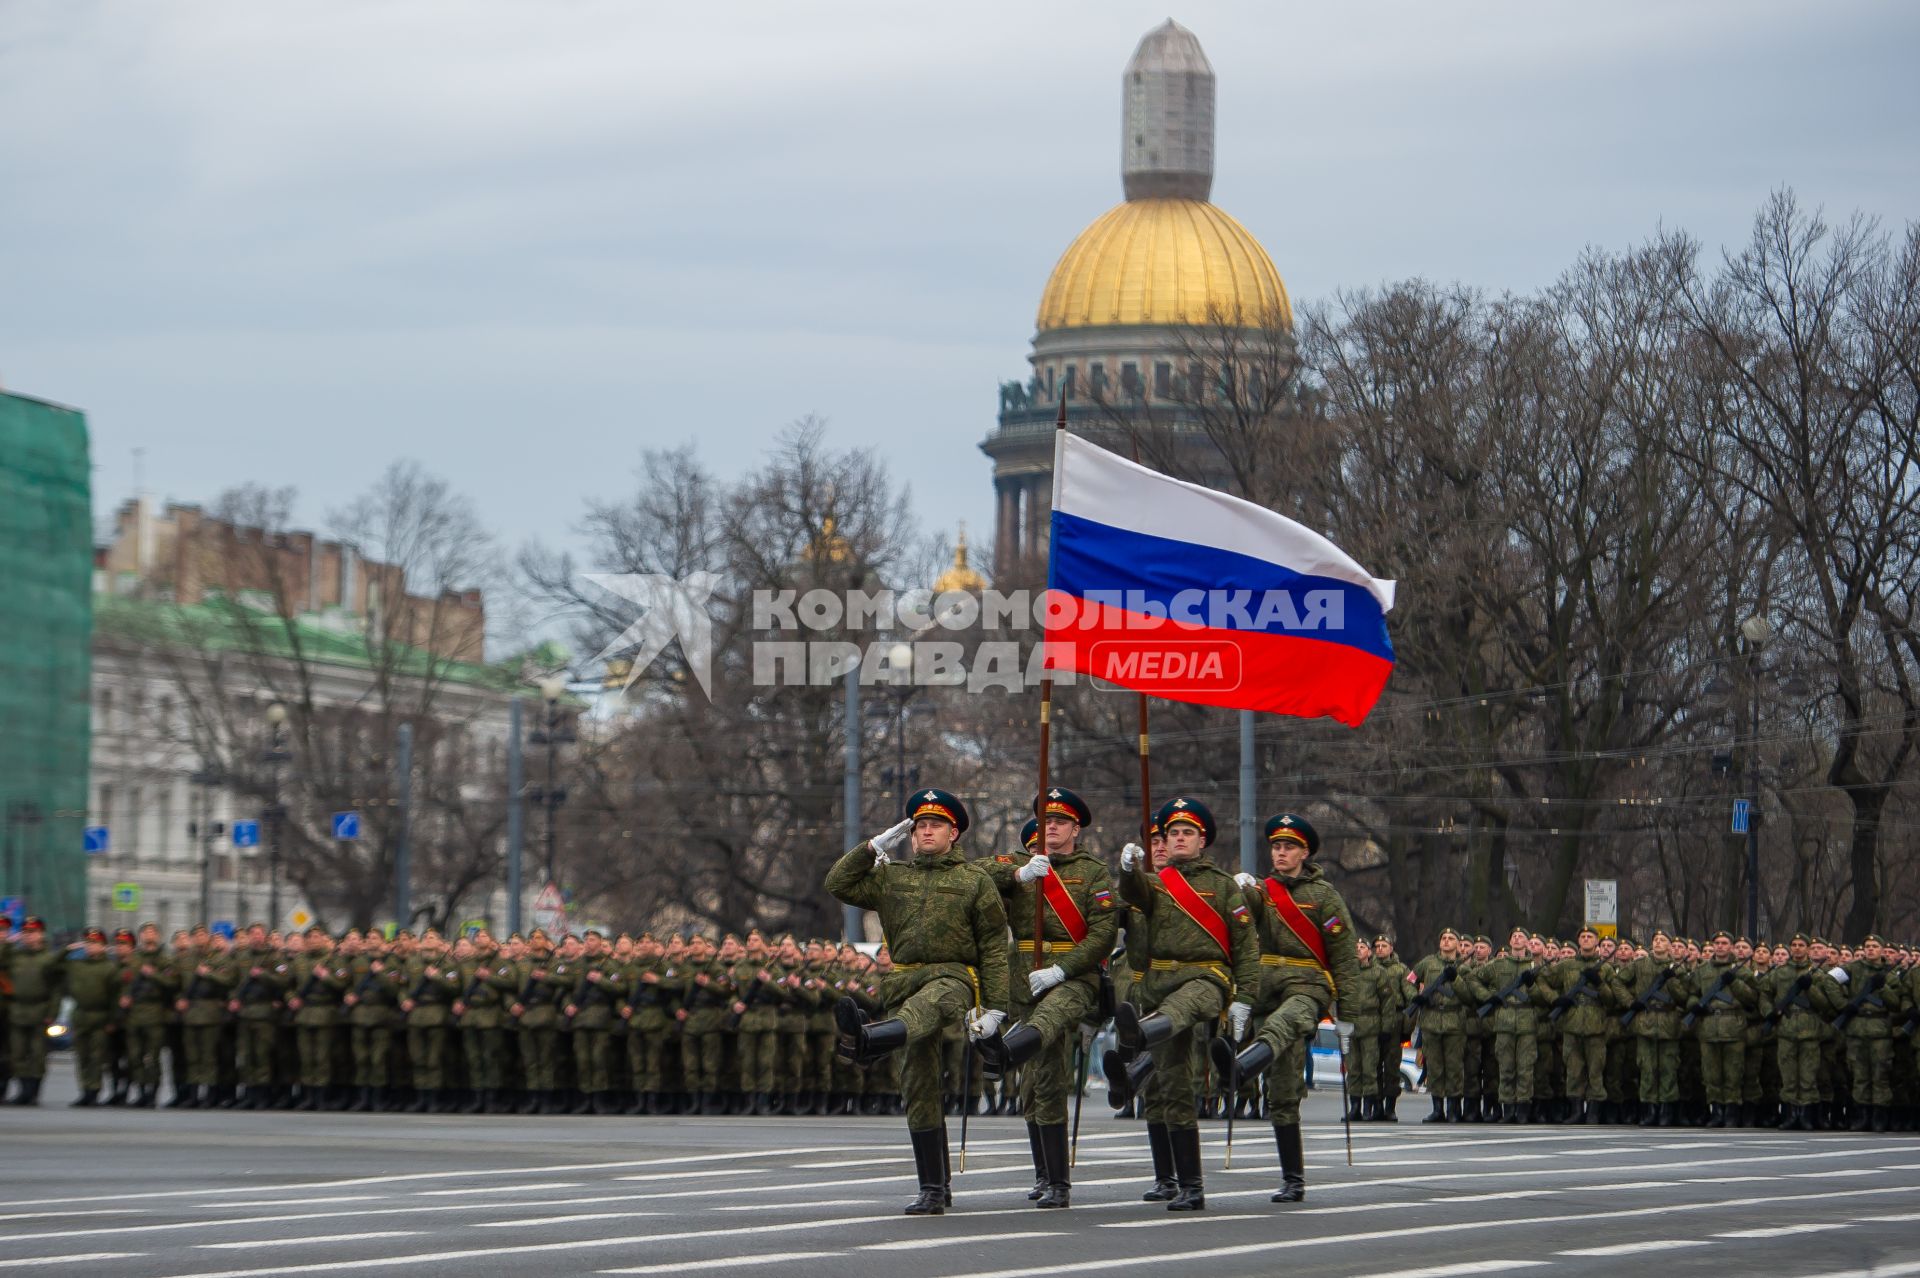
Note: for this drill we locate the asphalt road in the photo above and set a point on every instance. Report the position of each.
(234, 1195)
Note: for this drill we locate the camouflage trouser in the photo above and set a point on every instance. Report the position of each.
(1389, 1064)
(316, 1055)
(537, 1046)
(1446, 1062)
(1473, 1064)
(1870, 1061)
(759, 1053)
(1515, 1056)
(1363, 1064)
(939, 1003)
(427, 1049)
(1174, 1086)
(27, 1046)
(1722, 1071)
(820, 1043)
(1047, 1079)
(1659, 1070)
(372, 1050)
(143, 1053)
(90, 1052)
(486, 1052)
(1799, 1070)
(1586, 1066)
(1288, 1030)
(646, 1057)
(203, 1054)
(703, 1048)
(253, 1051)
(593, 1055)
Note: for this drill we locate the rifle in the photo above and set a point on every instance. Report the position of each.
(1912, 1022)
(1640, 1004)
(1706, 1000)
(1425, 998)
(1526, 976)
(1801, 985)
(1565, 1001)
(1860, 1000)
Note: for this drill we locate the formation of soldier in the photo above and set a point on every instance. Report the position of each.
(997, 975)
(592, 1024)
(1802, 1036)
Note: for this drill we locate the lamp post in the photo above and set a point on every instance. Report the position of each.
(1755, 631)
(552, 733)
(273, 756)
(207, 778)
(900, 665)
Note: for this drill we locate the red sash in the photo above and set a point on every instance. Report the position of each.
(1196, 908)
(1297, 921)
(1063, 907)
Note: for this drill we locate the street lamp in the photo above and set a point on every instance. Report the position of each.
(900, 665)
(552, 733)
(273, 756)
(206, 829)
(1755, 631)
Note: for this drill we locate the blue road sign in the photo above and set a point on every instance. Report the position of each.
(97, 840)
(13, 907)
(1742, 815)
(346, 825)
(246, 834)
(221, 927)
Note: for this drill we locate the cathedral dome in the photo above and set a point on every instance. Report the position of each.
(1164, 262)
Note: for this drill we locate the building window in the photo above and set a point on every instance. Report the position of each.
(1097, 380)
(163, 834)
(103, 711)
(103, 806)
(1163, 381)
(1071, 378)
(1130, 380)
(1050, 390)
(130, 827)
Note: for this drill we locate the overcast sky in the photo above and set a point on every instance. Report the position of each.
(290, 242)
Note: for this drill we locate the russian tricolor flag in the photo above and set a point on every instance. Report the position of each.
(1190, 594)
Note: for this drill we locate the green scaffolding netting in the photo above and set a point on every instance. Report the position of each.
(46, 621)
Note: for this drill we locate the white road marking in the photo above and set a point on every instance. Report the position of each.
(818, 1202)
(1635, 1248)
(21, 1262)
(718, 1262)
(915, 1244)
(1459, 1271)
(63, 1215)
(316, 1238)
(1784, 1231)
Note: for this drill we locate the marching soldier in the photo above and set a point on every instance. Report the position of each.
(947, 932)
(1306, 951)
(1440, 1017)
(93, 982)
(1059, 988)
(1201, 952)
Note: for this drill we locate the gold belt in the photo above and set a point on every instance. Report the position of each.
(1046, 947)
(1171, 965)
(972, 976)
(1282, 960)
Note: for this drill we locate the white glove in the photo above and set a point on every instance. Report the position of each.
(984, 1023)
(1839, 974)
(1038, 868)
(890, 841)
(1132, 857)
(1045, 979)
(1238, 1015)
(1247, 882)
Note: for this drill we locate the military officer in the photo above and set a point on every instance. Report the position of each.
(947, 931)
(1056, 981)
(1307, 952)
(1202, 951)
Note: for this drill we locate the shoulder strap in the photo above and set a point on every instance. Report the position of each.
(1297, 921)
(1195, 907)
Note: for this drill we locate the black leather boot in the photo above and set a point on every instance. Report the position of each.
(929, 1162)
(1249, 1063)
(1012, 1048)
(1136, 1032)
(1160, 1141)
(1125, 1077)
(1439, 1114)
(1053, 1149)
(1039, 1163)
(88, 1099)
(1186, 1170)
(1293, 1165)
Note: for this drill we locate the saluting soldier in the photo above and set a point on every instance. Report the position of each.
(1201, 952)
(1307, 960)
(947, 932)
(1059, 988)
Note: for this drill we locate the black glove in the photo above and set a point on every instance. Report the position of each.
(1529, 976)
(1447, 972)
(1804, 982)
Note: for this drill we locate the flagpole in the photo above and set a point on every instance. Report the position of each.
(1046, 714)
(1146, 781)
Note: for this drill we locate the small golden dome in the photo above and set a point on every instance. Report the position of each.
(1165, 261)
(960, 576)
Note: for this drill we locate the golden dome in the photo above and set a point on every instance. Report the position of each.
(959, 577)
(1165, 261)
